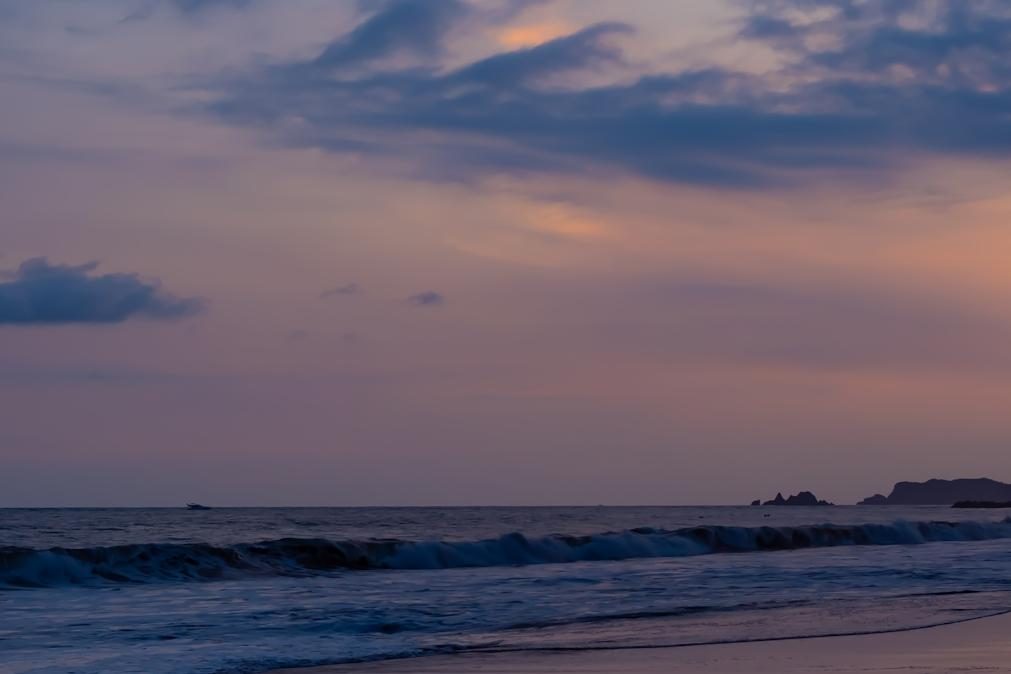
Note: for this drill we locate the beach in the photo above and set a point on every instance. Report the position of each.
(977, 645)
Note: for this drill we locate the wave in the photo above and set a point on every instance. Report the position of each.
(156, 562)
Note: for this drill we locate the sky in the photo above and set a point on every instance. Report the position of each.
(451, 252)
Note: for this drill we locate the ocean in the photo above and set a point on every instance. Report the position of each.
(245, 590)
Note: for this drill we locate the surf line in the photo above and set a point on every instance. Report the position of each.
(729, 642)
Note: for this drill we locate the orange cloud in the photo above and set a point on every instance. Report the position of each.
(519, 37)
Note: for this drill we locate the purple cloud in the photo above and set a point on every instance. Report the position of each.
(428, 298)
(40, 293)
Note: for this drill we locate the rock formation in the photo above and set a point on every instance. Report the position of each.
(943, 492)
(804, 498)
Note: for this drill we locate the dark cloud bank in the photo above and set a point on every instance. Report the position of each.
(40, 293)
(866, 87)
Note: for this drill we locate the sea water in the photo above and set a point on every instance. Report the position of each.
(232, 590)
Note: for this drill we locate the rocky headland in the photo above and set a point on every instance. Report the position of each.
(943, 492)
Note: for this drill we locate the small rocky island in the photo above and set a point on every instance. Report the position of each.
(804, 498)
(943, 492)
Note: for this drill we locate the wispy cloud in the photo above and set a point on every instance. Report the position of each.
(403, 26)
(429, 298)
(193, 6)
(343, 290)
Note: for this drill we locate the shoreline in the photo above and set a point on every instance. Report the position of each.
(978, 644)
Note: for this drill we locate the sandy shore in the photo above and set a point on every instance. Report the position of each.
(982, 645)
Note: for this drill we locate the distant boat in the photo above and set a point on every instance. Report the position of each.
(197, 506)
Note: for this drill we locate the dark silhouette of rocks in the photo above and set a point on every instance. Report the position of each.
(804, 498)
(982, 504)
(943, 492)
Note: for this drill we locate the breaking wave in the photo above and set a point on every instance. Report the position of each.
(156, 562)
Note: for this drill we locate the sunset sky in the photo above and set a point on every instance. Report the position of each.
(263, 252)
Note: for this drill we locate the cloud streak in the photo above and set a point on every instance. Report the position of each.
(341, 291)
(429, 298)
(413, 27)
(192, 6)
(40, 293)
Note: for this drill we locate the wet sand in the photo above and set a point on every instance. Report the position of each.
(982, 645)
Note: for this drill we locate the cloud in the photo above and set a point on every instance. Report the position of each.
(963, 43)
(403, 26)
(428, 298)
(347, 289)
(40, 293)
(586, 49)
(194, 6)
(865, 89)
